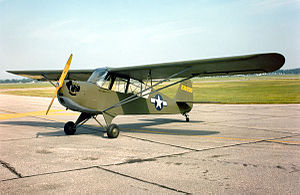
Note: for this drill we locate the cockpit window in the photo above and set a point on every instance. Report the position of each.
(103, 79)
(100, 77)
(120, 85)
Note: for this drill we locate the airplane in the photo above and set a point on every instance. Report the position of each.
(135, 90)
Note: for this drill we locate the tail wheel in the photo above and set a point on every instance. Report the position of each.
(187, 118)
(70, 128)
(113, 131)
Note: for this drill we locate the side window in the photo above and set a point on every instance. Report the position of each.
(133, 87)
(136, 87)
(119, 85)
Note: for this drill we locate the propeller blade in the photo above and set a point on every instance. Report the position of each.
(65, 72)
(52, 100)
(61, 80)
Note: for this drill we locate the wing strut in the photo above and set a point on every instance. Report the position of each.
(49, 80)
(141, 92)
(134, 97)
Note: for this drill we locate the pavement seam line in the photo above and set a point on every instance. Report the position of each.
(50, 173)
(258, 128)
(197, 150)
(156, 142)
(91, 167)
(11, 168)
(144, 181)
(139, 160)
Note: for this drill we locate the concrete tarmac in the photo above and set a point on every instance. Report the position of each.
(224, 149)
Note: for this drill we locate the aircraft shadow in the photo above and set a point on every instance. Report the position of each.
(59, 126)
(143, 127)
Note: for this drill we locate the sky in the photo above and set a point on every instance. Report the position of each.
(41, 34)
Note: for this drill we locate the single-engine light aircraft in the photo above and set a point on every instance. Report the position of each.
(132, 90)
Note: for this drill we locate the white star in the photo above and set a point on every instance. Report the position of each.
(158, 102)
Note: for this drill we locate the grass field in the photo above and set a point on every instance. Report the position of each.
(228, 90)
(245, 92)
(49, 92)
(25, 85)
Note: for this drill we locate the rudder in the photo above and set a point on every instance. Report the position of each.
(184, 92)
(184, 96)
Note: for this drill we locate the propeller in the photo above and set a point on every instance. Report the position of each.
(61, 80)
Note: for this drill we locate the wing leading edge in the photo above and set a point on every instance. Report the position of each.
(247, 64)
(79, 75)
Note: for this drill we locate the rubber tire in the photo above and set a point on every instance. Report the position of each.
(113, 131)
(70, 128)
(187, 119)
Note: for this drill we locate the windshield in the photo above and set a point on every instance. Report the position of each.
(99, 77)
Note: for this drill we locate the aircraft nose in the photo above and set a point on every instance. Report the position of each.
(60, 92)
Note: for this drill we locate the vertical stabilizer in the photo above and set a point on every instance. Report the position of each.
(184, 96)
(184, 92)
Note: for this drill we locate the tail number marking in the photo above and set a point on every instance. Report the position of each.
(186, 88)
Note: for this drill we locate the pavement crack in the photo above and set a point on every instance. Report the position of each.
(85, 168)
(258, 128)
(278, 141)
(142, 180)
(11, 168)
(156, 142)
(50, 173)
(131, 161)
(192, 150)
(140, 160)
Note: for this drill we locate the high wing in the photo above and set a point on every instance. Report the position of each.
(247, 64)
(79, 75)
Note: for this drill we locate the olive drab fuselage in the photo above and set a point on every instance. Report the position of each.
(89, 98)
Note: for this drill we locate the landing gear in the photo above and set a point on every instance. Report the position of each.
(187, 119)
(70, 128)
(113, 131)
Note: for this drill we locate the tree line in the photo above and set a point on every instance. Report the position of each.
(277, 72)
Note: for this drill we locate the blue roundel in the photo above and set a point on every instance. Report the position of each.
(158, 102)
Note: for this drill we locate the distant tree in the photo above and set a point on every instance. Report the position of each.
(16, 81)
(288, 71)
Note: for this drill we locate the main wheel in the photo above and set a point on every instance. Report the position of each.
(70, 128)
(187, 119)
(113, 131)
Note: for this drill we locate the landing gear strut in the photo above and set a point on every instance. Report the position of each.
(112, 130)
(70, 127)
(187, 119)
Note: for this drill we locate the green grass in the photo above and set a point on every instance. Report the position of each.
(36, 92)
(25, 85)
(259, 90)
(228, 90)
